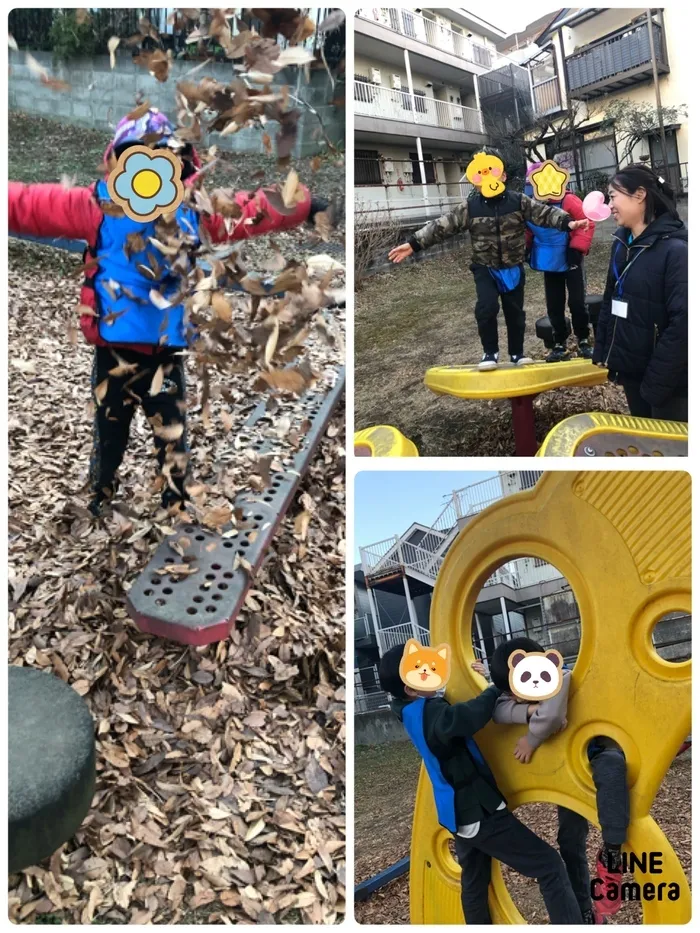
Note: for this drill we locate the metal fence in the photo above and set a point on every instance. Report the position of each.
(373, 100)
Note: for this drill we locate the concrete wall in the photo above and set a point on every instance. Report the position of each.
(100, 97)
(378, 728)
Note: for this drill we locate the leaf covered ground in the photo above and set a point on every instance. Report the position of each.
(220, 786)
(386, 778)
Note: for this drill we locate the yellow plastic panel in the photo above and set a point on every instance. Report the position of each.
(623, 542)
(509, 381)
(385, 441)
(600, 434)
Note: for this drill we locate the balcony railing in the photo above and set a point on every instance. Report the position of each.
(399, 635)
(613, 57)
(372, 100)
(369, 695)
(547, 96)
(417, 27)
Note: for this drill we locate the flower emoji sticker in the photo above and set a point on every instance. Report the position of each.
(146, 183)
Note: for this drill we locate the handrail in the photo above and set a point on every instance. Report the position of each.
(604, 40)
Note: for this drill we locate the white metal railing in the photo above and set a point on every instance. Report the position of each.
(529, 573)
(369, 695)
(426, 557)
(438, 35)
(399, 635)
(547, 96)
(363, 626)
(373, 100)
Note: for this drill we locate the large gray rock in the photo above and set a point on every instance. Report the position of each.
(51, 765)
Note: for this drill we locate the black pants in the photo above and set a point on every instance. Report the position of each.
(503, 837)
(675, 409)
(486, 312)
(556, 285)
(612, 801)
(115, 409)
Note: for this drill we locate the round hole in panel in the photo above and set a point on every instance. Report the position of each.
(228, 575)
(160, 602)
(167, 589)
(191, 611)
(216, 566)
(210, 576)
(223, 586)
(156, 581)
(198, 599)
(228, 544)
(148, 592)
(211, 608)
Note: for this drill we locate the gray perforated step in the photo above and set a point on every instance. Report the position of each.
(200, 607)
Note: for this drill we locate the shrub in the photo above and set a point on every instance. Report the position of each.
(70, 39)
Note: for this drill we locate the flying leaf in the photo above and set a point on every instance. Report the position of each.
(271, 344)
(101, 391)
(157, 381)
(295, 55)
(112, 46)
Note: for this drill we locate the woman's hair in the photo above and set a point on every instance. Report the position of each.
(499, 662)
(660, 199)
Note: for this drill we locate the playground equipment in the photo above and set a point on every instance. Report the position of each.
(51, 765)
(584, 524)
(383, 441)
(520, 384)
(597, 434)
(200, 607)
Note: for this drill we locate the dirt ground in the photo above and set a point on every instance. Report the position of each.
(386, 778)
(221, 774)
(422, 314)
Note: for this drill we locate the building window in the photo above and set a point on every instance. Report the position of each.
(367, 168)
(541, 563)
(429, 166)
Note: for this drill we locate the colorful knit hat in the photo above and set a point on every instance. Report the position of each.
(151, 123)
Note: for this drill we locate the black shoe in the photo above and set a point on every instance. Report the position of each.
(585, 350)
(488, 361)
(558, 354)
(518, 359)
(102, 495)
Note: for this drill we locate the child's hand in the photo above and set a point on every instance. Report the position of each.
(399, 253)
(562, 726)
(531, 709)
(479, 668)
(579, 225)
(523, 751)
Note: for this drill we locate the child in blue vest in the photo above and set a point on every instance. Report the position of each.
(559, 254)
(139, 344)
(467, 799)
(609, 771)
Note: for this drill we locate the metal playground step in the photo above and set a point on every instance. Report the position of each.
(200, 607)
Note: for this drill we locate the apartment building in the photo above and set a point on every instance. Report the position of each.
(585, 59)
(417, 105)
(394, 581)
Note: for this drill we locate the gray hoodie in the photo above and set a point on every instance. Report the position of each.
(547, 719)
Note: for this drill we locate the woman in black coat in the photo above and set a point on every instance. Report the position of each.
(642, 333)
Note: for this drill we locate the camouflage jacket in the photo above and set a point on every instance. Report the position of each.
(497, 227)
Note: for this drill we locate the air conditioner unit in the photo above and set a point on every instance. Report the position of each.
(388, 167)
(396, 82)
(375, 76)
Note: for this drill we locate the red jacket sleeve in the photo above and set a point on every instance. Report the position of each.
(266, 217)
(578, 239)
(53, 211)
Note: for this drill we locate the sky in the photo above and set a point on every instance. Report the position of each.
(513, 17)
(387, 502)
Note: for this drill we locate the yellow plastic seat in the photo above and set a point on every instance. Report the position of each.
(383, 441)
(510, 381)
(597, 434)
(623, 541)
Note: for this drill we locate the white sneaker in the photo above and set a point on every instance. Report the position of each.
(488, 361)
(521, 360)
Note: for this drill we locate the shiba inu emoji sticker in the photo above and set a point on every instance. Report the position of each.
(535, 675)
(485, 172)
(425, 670)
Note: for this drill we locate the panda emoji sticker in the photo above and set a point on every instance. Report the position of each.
(535, 675)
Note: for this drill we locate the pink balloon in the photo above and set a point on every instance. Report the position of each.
(595, 208)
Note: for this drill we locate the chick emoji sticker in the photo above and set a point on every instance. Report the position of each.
(146, 183)
(485, 171)
(423, 669)
(535, 675)
(549, 182)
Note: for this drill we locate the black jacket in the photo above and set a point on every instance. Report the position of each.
(650, 345)
(445, 727)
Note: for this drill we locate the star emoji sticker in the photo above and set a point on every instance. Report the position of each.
(549, 181)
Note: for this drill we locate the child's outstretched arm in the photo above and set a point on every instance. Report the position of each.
(547, 215)
(435, 231)
(462, 720)
(51, 210)
(550, 715)
(261, 213)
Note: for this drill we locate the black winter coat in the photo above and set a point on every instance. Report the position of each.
(650, 345)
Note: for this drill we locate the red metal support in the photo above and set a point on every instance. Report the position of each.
(524, 425)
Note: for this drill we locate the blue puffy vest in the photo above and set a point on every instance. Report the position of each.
(548, 253)
(443, 792)
(127, 314)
